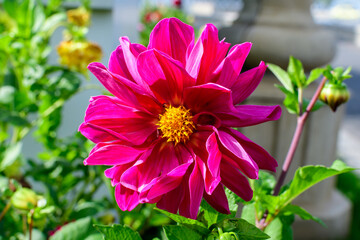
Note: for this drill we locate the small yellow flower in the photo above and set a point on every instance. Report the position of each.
(78, 54)
(79, 17)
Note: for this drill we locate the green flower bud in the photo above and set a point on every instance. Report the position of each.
(24, 199)
(334, 95)
(229, 236)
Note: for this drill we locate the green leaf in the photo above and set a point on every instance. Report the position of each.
(282, 76)
(86, 209)
(280, 228)
(191, 223)
(80, 229)
(291, 104)
(209, 213)
(36, 234)
(314, 74)
(293, 209)
(10, 155)
(7, 94)
(53, 22)
(233, 200)
(265, 184)
(318, 104)
(117, 231)
(308, 176)
(296, 72)
(248, 213)
(178, 232)
(244, 229)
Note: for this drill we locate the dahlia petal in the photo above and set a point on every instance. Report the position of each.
(235, 151)
(98, 134)
(208, 97)
(218, 200)
(165, 76)
(115, 172)
(127, 199)
(112, 154)
(249, 115)
(171, 200)
(262, 158)
(196, 189)
(106, 119)
(131, 54)
(117, 64)
(108, 107)
(214, 155)
(247, 82)
(165, 184)
(109, 82)
(206, 55)
(157, 161)
(173, 37)
(235, 181)
(233, 63)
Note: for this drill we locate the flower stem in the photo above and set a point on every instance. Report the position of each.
(4, 211)
(31, 223)
(296, 138)
(301, 119)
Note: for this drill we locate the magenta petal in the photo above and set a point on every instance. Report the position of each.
(209, 97)
(171, 200)
(196, 189)
(247, 82)
(218, 200)
(115, 172)
(127, 199)
(156, 162)
(131, 53)
(107, 119)
(115, 87)
(235, 181)
(262, 158)
(249, 115)
(235, 151)
(173, 37)
(206, 55)
(112, 154)
(165, 184)
(233, 63)
(117, 64)
(165, 76)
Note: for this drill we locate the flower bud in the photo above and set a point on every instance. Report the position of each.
(24, 199)
(334, 95)
(79, 17)
(229, 236)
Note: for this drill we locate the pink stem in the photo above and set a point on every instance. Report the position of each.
(296, 138)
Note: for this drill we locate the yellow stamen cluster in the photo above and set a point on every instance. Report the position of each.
(176, 124)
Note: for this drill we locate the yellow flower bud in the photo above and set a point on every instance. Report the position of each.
(334, 95)
(24, 199)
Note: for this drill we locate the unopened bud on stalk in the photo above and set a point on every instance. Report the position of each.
(334, 95)
(24, 199)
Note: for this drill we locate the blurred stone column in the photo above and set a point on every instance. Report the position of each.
(278, 29)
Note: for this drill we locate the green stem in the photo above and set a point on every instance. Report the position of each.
(31, 223)
(4, 211)
(300, 99)
(47, 112)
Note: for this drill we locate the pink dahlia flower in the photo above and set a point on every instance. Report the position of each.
(167, 132)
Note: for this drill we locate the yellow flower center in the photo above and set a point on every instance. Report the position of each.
(176, 124)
